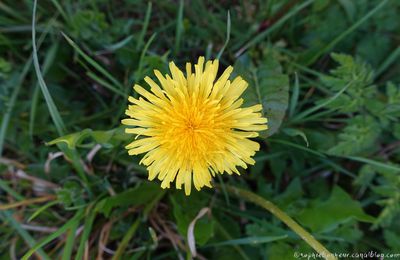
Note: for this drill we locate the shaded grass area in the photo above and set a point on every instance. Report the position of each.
(325, 71)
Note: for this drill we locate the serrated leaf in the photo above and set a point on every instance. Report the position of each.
(393, 101)
(365, 176)
(358, 75)
(359, 135)
(389, 190)
(386, 108)
(268, 86)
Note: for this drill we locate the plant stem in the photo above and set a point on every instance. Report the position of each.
(307, 237)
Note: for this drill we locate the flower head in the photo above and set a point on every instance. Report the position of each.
(193, 127)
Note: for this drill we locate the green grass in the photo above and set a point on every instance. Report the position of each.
(325, 71)
(55, 115)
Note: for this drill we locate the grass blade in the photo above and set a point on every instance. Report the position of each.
(338, 168)
(60, 10)
(297, 146)
(4, 186)
(179, 27)
(248, 241)
(125, 240)
(41, 209)
(225, 233)
(69, 244)
(226, 197)
(279, 23)
(23, 233)
(357, 24)
(92, 62)
(145, 26)
(228, 35)
(11, 12)
(32, 115)
(86, 232)
(389, 61)
(117, 45)
(282, 216)
(105, 84)
(54, 235)
(295, 96)
(313, 109)
(374, 163)
(146, 47)
(51, 54)
(55, 115)
(11, 104)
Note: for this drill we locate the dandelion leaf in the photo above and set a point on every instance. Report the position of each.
(268, 86)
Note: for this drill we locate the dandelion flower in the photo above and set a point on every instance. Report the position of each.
(193, 127)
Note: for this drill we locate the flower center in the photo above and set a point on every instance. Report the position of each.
(190, 125)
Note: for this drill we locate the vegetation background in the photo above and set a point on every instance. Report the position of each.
(326, 71)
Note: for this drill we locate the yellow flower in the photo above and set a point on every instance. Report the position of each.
(193, 127)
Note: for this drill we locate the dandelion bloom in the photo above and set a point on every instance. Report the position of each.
(193, 127)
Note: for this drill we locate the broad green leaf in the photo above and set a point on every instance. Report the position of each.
(268, 86)
(324, 216)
